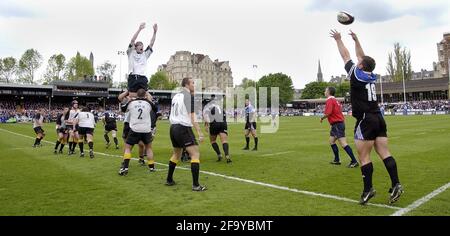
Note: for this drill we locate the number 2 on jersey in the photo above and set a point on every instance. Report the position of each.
(140, 113)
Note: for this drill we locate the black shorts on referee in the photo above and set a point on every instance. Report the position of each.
(182, 136)
(337, 130)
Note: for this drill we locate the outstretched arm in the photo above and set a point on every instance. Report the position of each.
(122, 95)
(141, 27)
(342, 49)
(152, 41)
(359, 51)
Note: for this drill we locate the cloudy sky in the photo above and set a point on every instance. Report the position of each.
(288, 36)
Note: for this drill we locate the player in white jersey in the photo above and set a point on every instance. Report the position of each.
(140, 130)
(137, 61)
(61, 130)
(182, 119)
(38, 120)
(86, 124)
(72, 128)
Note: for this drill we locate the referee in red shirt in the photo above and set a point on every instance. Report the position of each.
(333, 112)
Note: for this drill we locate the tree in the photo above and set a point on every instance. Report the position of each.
(55, 67)
(314, 90)
(399, 63)
(8, 67)
(247, 83)
(107, 71)
(160, 80)
(341, 89)
(78, 67)
(30, 61)
(280, 80)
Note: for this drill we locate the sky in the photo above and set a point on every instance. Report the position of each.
(288, 36)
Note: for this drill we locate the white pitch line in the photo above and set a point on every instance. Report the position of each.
(421, 201)
(275, 154)
(323, 195)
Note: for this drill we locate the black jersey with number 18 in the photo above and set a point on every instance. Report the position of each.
(363, 94)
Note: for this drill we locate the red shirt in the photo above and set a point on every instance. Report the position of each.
(333, 110)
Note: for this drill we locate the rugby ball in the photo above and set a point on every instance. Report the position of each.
(345, 18)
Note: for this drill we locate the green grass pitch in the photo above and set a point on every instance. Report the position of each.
(37, 182)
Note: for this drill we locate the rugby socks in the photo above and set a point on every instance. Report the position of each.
(106, 138)
(57, 144)
(81, 144)
(36, 141)
(335, 149)
(247, 140)
(391, 167)
(126, 160)
(91, 146)
(195, 170)
(256, 142)
(367, 171)
(216, 148)
(70, 146)
(115, 141)
(172, 165)
(61, 147)
(349, 151)
(225, 148)
(151, 164)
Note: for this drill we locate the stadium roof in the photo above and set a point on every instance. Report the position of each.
(34, 86)
(82, 84)
(425, 85)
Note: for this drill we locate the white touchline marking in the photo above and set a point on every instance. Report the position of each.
(246, 180)
(275, 154)
(421, 201)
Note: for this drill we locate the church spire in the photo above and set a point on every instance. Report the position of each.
(319, 74)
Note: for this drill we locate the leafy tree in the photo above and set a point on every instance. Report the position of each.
(107, 71)
(8, 67)
(55, 67)
(30, 61)
(160, 80)
(399, 63)
(314, 90)
(78, 67)
(247, 83)
(280, 80)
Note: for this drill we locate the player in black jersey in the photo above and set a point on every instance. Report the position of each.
(61, 130)
(370, 128)
(109, 120)
(216, 122)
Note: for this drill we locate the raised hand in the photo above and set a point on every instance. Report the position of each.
(155, 28)
(335, 34)
(142, 26)
(354, 37)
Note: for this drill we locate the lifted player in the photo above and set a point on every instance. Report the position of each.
(137, 61)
